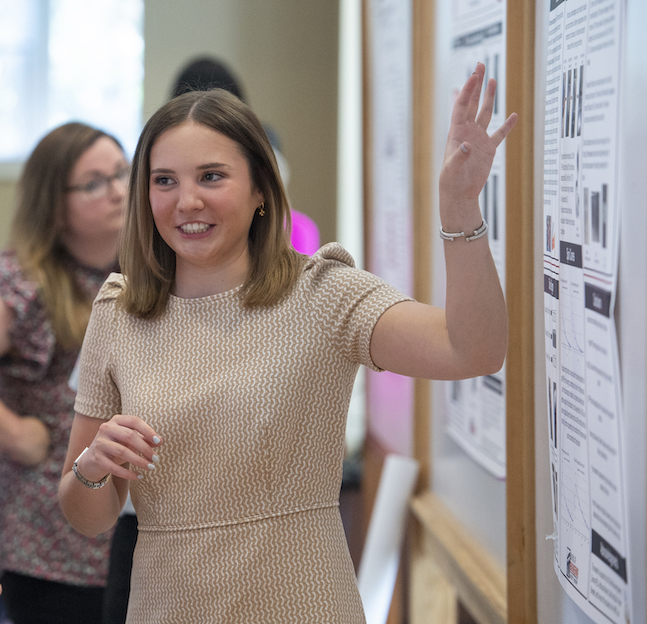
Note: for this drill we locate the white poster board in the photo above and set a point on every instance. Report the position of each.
(476, 407)
(470, 491)
(390, 396)
(580, 236)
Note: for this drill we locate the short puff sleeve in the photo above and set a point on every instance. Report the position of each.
(348, 302)
(98, 395)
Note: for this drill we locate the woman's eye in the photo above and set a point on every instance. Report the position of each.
(212, 176)
(162, 181)
(93, 185)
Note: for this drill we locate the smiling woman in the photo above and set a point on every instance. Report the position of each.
(203, 203)
(246, 528)
(228, 135)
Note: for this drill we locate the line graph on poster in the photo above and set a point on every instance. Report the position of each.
(575, 502)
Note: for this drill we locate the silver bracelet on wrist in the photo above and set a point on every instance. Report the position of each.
(450, 236)
(93, 485)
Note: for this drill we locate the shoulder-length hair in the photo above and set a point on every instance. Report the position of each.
(38, 222)
(148, 263)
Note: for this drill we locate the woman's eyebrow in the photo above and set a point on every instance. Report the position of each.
(213, 165)
(95, 173)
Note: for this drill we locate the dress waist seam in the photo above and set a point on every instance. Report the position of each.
(244, 520)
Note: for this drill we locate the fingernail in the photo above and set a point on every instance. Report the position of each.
(464, 147)
(140, 476)
(155, 459)
(151, 466)
(156, 440)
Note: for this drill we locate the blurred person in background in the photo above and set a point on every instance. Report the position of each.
(63, 244)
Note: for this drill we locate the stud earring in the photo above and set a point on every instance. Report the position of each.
(261, 209)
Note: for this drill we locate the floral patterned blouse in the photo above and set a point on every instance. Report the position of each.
(35, 538)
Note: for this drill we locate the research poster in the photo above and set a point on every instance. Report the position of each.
(391, 107)
(390, 396)
(476, 407)
(580, 239)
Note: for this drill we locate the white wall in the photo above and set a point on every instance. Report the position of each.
(285, 54)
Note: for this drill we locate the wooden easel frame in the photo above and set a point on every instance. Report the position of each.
(520, 405)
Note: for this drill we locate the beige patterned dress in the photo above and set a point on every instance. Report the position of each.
(240, 521)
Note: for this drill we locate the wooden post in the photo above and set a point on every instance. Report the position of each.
(520, 406)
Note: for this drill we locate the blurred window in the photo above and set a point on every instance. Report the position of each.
(65, 60)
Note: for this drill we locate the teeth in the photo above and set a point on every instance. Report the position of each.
(194, 228)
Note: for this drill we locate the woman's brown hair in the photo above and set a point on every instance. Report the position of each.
(37, 227)
(148, 263)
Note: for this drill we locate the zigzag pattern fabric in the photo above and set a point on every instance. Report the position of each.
(240, 520)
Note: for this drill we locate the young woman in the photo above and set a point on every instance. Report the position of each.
(217, 370)
(63, 244)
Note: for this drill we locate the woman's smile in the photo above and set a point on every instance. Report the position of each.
(195, 228)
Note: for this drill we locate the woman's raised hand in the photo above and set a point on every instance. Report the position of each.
(470, 150)
(121, 440)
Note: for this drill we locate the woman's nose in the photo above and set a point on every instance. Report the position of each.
(118, 188)
(189, 198)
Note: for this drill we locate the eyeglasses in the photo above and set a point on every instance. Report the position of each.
(98, 187)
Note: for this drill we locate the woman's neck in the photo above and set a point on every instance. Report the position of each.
(98, 254)
(193, 281)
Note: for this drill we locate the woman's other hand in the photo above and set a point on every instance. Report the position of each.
(25, 439)
(122, 440)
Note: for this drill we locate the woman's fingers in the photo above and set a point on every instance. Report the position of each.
(475, 94)
(132, 432)
(135, 423)
(464, 102)
(466, 107)
(485, 114)
(504, 130)
(126, 439)
(117, 451)
(109, 466)
(470, 150)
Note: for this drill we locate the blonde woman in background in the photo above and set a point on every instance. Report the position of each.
(63, 244)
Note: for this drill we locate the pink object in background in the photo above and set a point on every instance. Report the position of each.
(305, 233)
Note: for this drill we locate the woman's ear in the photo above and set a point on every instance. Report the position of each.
(260, 198)
(60, 217)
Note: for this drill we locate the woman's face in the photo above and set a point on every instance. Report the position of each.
(203, 202)
(96, 194)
